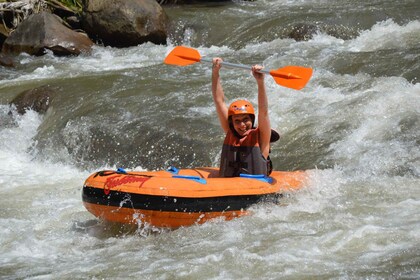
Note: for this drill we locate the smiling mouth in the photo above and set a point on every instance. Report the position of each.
(242, 131)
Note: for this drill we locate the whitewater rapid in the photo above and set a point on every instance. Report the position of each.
(355, 128)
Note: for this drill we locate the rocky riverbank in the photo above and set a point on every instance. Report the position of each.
(37, 28)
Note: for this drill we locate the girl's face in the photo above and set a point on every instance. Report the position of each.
(242, 123)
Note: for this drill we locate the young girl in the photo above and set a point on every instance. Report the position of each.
(246, 148)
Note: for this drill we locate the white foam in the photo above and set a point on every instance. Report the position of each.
(101, 59)
(374, 146)
(17, 164)
(387, 35)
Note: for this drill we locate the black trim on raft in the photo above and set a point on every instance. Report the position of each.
(174, 204)
(105, 173)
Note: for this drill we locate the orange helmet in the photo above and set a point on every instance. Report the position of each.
(241, 107)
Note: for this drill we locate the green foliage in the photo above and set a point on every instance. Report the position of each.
(72, 4)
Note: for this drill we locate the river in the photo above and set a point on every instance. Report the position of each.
(355, 127)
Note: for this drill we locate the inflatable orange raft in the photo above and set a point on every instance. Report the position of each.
(175, 198)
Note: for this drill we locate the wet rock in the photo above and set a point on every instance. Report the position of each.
(125, 23)
(45, 31)
(37, 99)
(6, 61)
(74, 22)
(341, 32)
(303, 31)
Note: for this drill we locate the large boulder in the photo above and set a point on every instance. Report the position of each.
(36, 99)
(125, 23)
(45, 31)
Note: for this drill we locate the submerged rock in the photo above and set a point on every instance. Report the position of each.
(37, 99)
(303, 31)
(45, 31)
(6, 61)
(125, 23)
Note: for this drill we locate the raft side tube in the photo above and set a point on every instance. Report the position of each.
(260, 177)
(173, 204)
(194, 178)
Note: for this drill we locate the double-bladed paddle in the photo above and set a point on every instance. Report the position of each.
(295, 77)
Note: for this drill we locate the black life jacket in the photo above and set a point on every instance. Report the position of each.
(243, 155)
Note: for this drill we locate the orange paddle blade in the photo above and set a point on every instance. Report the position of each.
(182, 56)
(295, 77)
